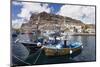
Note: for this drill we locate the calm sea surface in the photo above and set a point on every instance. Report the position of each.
(88, 53)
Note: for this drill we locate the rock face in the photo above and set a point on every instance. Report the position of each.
(46, 21)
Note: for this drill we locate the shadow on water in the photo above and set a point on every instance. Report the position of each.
(43, 59)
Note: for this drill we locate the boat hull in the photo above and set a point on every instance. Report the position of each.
(31, 47)
(60, 52)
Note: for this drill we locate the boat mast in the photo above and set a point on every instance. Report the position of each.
(65, 38)
(37, 27)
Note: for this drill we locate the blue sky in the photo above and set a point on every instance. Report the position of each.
(55, 7)
(16, 9)
(22, 11)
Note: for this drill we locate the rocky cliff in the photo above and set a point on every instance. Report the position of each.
(45, 21)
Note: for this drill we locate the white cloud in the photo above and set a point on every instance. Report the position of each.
(29, 8)
(16, 3)
(26, 10)
(17, 23)
(83, 13)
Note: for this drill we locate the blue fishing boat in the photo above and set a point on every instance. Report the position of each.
(59, 50)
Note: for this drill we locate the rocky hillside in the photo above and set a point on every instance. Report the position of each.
(45, 21)
(52, 18)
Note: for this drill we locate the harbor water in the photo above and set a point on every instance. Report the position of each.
(88, 53)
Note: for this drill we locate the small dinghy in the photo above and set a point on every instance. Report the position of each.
(36, 43)
(31, 46)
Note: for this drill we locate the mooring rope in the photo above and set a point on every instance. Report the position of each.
(21, 60)
(40, 50)
(36, 52)
(38, 56)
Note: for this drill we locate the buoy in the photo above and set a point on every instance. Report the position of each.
(82, 46)
(38, 44)
(71, 51)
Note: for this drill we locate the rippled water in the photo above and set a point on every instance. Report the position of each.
(88, 53)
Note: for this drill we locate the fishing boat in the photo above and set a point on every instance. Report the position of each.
(59, 47)
(57, 50)
(31, 46)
